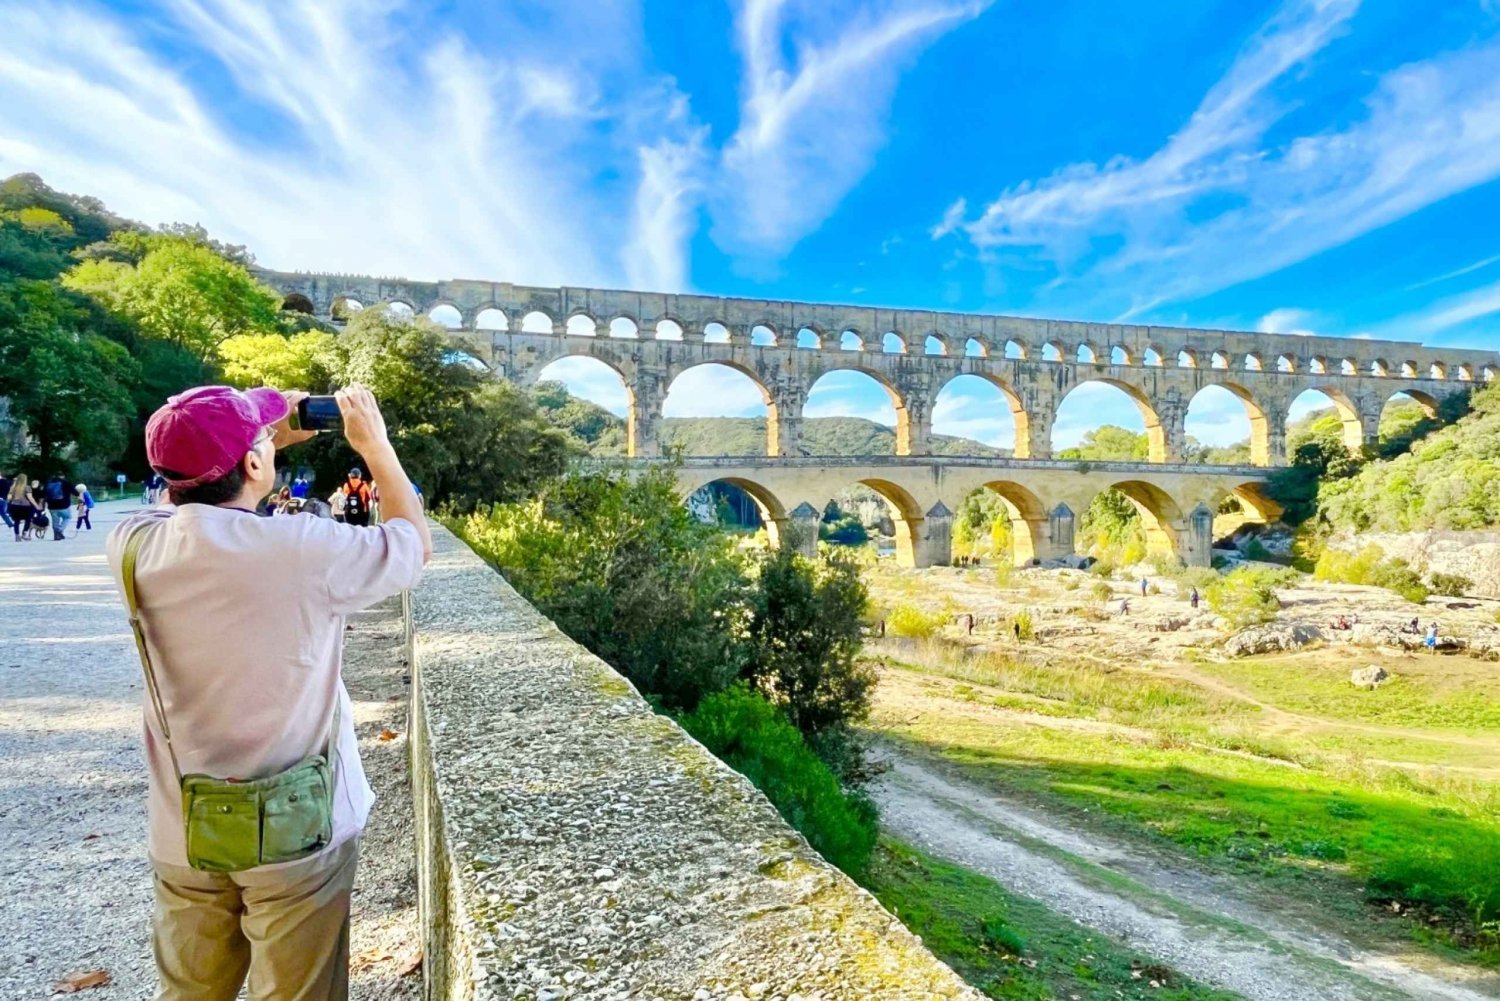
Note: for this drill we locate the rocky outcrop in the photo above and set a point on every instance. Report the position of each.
(1274, 637)
(1369, 678)
(1475, 555)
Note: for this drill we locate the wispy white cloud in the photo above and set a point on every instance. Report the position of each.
(592, 380)
(811, 123)
(1217, 205)
(1456, 273)
(952, 219)
(373, 148)
(1287, 321)
(713, 391)
(1451, 312)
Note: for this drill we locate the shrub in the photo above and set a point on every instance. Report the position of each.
(1244, 597)
(1001, 938)
(1369, 566)
(1450, 585)
(751, 736)
(1102, 591)
(1397, 576)
(909, 620)
(1027, 624)
(1103, 568)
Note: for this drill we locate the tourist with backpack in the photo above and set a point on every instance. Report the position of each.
(59, 507)
(358, 500)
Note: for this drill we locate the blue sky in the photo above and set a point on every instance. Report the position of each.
(1312, 165)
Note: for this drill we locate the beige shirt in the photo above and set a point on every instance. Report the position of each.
(244, 621)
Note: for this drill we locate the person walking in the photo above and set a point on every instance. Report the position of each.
(5, 484)
(59, 508)
(239, 622)
(300, 487)
(19, 506)
(1431, 641)
(358, 499)
(1193, 598)
(85, 506)
(1145, 584)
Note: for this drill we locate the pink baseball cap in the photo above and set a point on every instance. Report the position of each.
(203, 433)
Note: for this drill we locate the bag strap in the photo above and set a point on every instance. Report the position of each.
(127, 576)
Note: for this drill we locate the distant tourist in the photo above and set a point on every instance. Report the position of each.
(336, 504)
(1193, 598)
(59, 507)
(85, 502)
(1431, 640)
(1144, 585)
(5, 484)
(257, 808)
(1016, 628)
(300, 487)
(19, 506)
(357, 498)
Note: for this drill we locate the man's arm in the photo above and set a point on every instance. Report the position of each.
(364, 427)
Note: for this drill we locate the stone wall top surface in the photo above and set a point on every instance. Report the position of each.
(597, 851)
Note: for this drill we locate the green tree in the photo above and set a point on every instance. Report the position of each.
(1109, 443)
(802, 642)
(66, 387)
(178, 289)
(306, 360)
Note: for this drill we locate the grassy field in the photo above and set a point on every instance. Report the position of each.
(1008, 946)
(1234, 781)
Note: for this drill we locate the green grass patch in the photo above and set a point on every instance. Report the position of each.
(1011, 947)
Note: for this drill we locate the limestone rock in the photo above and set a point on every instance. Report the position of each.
(1273, 637)
(1369, 678)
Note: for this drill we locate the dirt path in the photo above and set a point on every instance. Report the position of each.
(1216, 929)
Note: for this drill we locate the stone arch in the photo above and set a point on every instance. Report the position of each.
(1151, 356)
(1426, 401)
(851, 340)
(668, 329)
(1379, 368)
(898, 402)
(1156, 436)
(892, 344)
(1087, 354)
(446, 314)
(1348, 366)
(1260, 426)
(1318, 365)
(344, 306)
(1020, 419)
(772, 511)
(1438, 371)
(907, 516)
(491, 318)
(1160, 515)
(1187, 358)
(1028, 520)
(764, 335)
(580, 323)
(624, 327)
(1409, 370)
(717, 332)
(398, 309)
(1348, 413)
(773, 418)
(1253, 362)
(634, 441)
(1465, 372)
(1015, 349)
(975, 348)
(934, 344)
(1219, 360)
(1119, 354)
(809, 338)
(1257, 504)
(538, 322)
(1286, 363)
(296, 302)
(1054, 351)
(1489, 373)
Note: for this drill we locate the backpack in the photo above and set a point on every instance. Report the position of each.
(355, 502)
(55, 492)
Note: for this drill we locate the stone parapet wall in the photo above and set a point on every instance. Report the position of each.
(1475, 555)
(575, 844)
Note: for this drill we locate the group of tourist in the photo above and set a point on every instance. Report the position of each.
(31, 507)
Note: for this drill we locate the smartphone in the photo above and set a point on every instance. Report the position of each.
(319, 413)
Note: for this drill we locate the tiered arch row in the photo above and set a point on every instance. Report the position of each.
(1045, 501)
(785, 347)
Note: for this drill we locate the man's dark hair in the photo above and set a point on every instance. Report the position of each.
(221, 491)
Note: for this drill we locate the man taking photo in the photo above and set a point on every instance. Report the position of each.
(257, 794)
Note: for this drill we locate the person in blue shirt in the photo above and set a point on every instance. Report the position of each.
(85, 505)
(300, 487)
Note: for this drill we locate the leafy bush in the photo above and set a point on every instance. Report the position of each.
(841, 528)
(801, 643)
(1369, 566)
(1102, 591)
(1245, 597)
(622, 568)
(1397, 576)
(909, 620)
(1024, 626)
(1001, 938)
(1450, 585)
(751, 736)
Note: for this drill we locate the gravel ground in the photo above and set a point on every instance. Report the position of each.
(72, 797)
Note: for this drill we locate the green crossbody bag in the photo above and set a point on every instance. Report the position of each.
(235, 824)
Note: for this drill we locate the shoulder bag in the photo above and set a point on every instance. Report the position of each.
(238, 824)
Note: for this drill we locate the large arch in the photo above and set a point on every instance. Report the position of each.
(585, 377)
(902, 419)
(1028, 520)
(1020, 420)
(906, 514)
(772, 512)
(1160, 515)
(1260, 426)
(1156, 437)
(1344, 407)
(773, 423)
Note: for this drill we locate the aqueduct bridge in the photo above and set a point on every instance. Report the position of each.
(785, 347)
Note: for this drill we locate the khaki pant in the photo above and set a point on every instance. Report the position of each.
(287, 928)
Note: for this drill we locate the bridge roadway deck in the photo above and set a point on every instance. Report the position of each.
(1045, 497)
